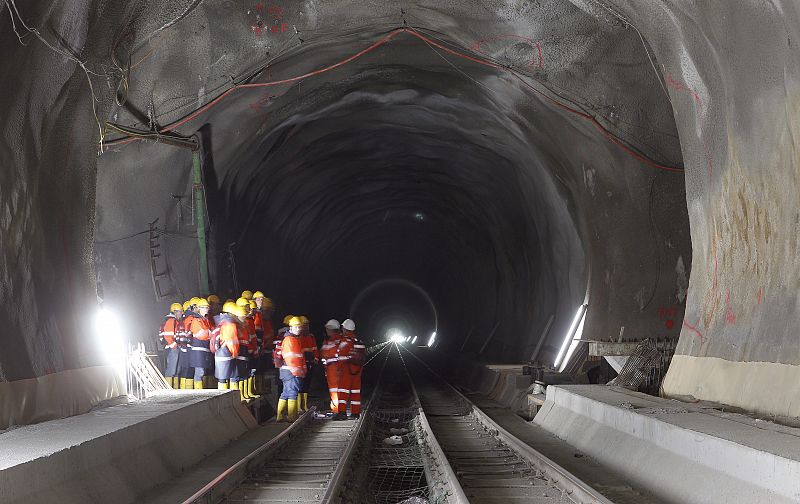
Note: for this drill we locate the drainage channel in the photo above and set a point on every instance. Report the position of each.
(491, 465)
(399, 461)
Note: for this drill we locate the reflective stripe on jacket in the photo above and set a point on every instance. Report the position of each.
(292, 353)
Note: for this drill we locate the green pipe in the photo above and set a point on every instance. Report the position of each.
(200, 221)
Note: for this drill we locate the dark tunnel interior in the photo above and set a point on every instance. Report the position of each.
(458, 180)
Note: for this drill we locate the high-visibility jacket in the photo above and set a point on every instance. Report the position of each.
(358, 352)
(183, 334)
(227, 346)
(310, 350)
(252, 338)
(168, 330)
(292, 354)
(200, 343)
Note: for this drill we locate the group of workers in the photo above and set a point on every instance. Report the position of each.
(234, 343)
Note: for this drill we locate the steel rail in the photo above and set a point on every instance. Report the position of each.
(235, 474)
(573, 486)
(337, 477)
(458, 492)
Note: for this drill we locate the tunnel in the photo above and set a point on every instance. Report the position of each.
(512, 182)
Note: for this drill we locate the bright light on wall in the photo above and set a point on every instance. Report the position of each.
(414, 340)
(110, 340)
(574, 332)
(432, 339)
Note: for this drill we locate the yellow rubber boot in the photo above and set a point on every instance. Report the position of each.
(301, 403)
(305, 401)
(251, 387)
(244, 387)
(222, 385)
(173, 382)
(198, 385)
(183, 384)
(281, 410)
(292, 407)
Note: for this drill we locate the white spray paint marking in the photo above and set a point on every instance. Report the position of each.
(682, 280)
(200, 95)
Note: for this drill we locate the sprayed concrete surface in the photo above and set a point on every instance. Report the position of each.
(678, 452)
(114, 454)
(506, 186)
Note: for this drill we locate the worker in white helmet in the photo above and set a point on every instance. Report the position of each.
(354, 366)
(329, 356)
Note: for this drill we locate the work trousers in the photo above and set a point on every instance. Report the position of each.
(355, 389)
(291, 385)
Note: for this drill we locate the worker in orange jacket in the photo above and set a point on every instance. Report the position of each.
(265, 334)
(329, 355)
(276, 350)
(226, 344)
(355, 365)
(311, 354)
(200, 356)
(247, 350)
(292, 370)
(166, 334)
(183, 339)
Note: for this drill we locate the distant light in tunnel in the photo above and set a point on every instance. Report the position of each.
(110, 340)
(575, 331)
(419, 216)
(432, 340)
(414, 340)
(395, 336)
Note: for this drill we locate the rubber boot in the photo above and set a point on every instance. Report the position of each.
(292, 406)
(302, 402)
(245, 388)
(280, 412)
(173, 382)
(251, 387)
(222, 385)
(183, 383)
(305, 401)
(198, 385)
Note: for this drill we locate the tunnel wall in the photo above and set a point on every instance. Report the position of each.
(49, 364)
(731, 71)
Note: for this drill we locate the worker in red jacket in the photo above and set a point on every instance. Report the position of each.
(166, 334)
(292, 370)
(183, 339)
(247, 350)
(200, 356)
(226, 344)
(329, 356)
(355, 365)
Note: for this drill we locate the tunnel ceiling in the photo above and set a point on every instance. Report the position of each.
(494, 171)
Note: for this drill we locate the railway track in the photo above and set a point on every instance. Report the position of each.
(418, 441)
(490, 465)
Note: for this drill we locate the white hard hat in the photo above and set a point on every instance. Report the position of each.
(333, 324)
(349, 325)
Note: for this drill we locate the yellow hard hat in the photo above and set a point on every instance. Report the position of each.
(253, 305)
(287, 318)
(242, 301)
(295, 321)
(239, 311)
(258, 294)
(304, 320)
(247, 295)
(268, 303)
(213, 298)
(203, 303)
(175, 306)
(186, 305)
(229, 307)
(195, 300)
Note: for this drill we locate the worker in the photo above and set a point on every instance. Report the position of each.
(277, 342)
(311, 355)
(247, 347)
(200, 356)
(355, 365)
(292, 370)
(184, 367)
(166, 335)
(265, 335)
(329, 356)
(248, 295)
(226, 345)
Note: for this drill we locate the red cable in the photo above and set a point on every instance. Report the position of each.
(608, 134)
